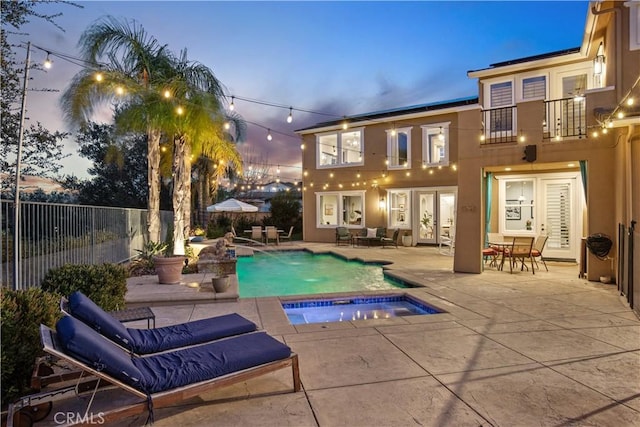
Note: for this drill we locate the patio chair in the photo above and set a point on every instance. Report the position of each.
(490, 254)
(393, 240)
(287, 236)
(343, 236)
(256, 234)
(147, 341)
(448, 241)
(239, 239)
(162, 379)
(271, 233)
(538, 246)
(520, 250)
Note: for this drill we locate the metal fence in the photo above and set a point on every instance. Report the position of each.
(52, 235)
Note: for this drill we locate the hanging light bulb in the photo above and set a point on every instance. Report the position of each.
(99, 76)
(630, 101)
(119, 90)
(180, 111)
(290, 116)
(232, 106)
(620, 114)
(269, 137)
(227, 125)
(47, 62)
(278, 170)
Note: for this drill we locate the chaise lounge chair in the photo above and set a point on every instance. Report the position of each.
(147, 341)
(161, 379)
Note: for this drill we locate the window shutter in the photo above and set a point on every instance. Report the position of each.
(501, 94)
(534, 87)
(558, 215)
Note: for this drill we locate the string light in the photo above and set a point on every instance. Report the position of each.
(232, 105)
(99, 77)
(120, 90)
(47, 62)
(167, 94)
(269, 137)
(290, 116)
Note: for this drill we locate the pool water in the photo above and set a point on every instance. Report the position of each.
(301, 272)
(341, 310)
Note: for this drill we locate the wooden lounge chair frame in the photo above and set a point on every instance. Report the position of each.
(159, 400)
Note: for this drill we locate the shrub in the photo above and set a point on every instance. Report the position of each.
(22, 313)
(105, 284)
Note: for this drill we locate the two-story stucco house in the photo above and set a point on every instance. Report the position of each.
(550, 145)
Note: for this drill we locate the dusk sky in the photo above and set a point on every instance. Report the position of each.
(339, 58)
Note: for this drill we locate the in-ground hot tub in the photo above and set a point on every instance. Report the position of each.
(356, 308)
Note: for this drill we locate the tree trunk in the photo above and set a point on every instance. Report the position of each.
(179, 194)
(153, 181)
(187, 189)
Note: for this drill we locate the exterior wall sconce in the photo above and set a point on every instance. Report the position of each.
(382, 203)
(598, 61)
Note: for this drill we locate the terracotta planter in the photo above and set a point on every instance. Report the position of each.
(169, 269)
(220, 284)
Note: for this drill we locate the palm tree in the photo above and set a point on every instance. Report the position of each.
(136, 65)
(197, 129)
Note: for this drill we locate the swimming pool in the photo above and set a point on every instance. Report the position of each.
(362, 308)
(301, 272)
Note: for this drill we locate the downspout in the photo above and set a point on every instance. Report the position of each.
(618, 41)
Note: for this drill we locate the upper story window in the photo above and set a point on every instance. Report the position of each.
(501, 94)
(501, 114)
(435, 144)
(534, 88)
(398, 148)
(340, 148)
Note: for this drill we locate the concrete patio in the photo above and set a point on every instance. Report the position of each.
(512, 350)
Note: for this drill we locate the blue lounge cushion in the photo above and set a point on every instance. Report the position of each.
(81, 307)
(166, 371)
(89, 347)
(147, 341)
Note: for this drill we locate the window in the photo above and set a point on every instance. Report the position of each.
(519, 205)
(534, 87)
(340, 209)
(340, 148)
(399, 148)
(400, 209)
(501, 98)
(435, 144)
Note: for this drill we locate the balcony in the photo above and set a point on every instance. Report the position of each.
(552, 120)
(499, 124)
(565, 118)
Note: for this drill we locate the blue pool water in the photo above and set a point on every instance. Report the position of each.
(341, 310)
(300, 272)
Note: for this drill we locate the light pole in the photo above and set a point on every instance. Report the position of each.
(16, 204)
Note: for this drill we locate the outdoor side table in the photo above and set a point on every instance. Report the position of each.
(133, 314)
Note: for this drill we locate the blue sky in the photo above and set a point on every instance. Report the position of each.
(336, 57)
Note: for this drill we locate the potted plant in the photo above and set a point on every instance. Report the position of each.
(197, 234)
(168, 265)
(217, 260)
(406, 238)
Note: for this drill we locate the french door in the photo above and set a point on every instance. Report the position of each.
(436, 215)
(559, 217)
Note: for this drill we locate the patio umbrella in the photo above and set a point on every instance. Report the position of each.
(232, 205)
